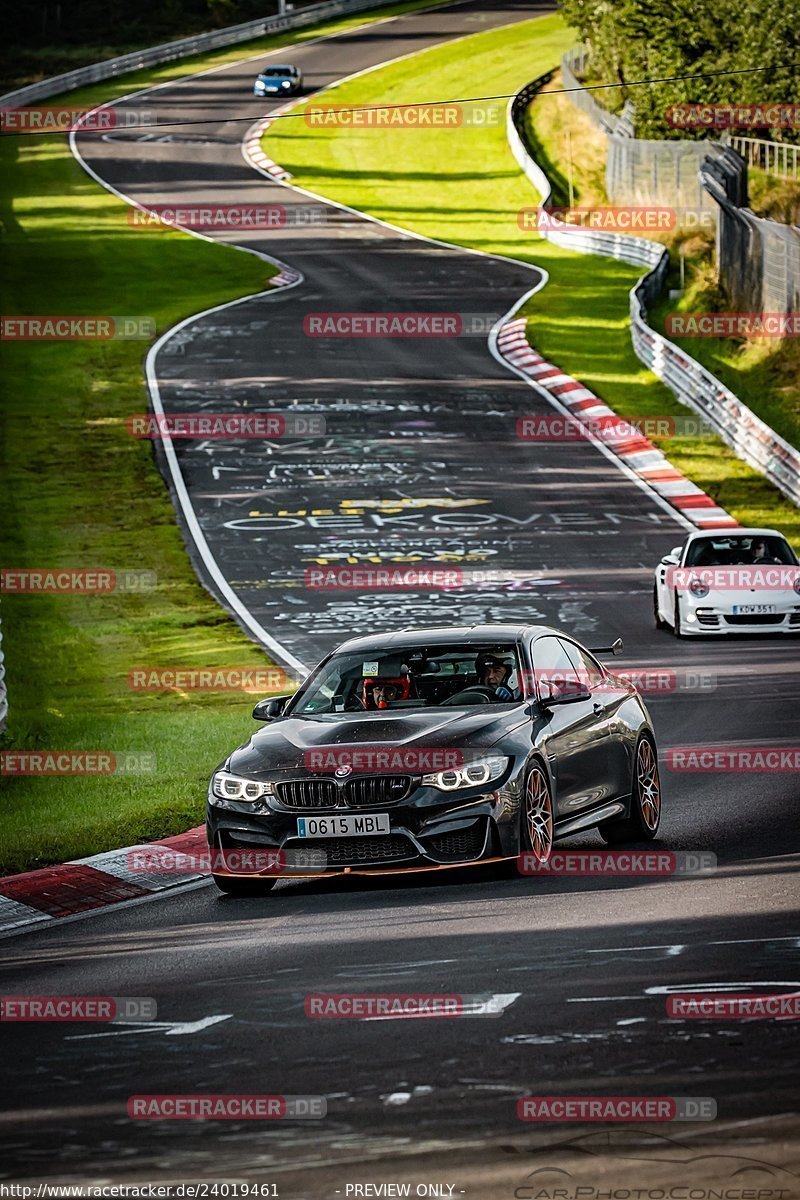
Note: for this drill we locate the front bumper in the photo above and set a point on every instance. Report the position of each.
(428, 829)
(715, 615)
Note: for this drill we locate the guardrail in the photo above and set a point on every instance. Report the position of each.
(3, 689)
(183, 48)
(746, 434)
(758, 152)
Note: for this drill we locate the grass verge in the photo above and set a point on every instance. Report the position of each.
(77, 492)
(463, 185)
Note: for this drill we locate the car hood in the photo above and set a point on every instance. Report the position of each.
(275, 79)
(286, 744)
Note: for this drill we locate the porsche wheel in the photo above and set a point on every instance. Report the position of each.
(676, 620)
(660, 623)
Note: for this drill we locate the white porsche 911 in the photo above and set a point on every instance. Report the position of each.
(732, 581)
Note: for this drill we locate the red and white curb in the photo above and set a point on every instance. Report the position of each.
(636, 452)
(255, 155)
(251, 149)
(51, 894)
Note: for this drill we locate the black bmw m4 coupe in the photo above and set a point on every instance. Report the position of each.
(435, 748)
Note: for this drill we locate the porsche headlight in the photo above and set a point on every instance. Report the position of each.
(286, 83)
(473, 774)
(796, 584)
(235, 787)
(698, 588)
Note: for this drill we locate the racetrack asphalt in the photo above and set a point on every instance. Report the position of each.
(587, 960)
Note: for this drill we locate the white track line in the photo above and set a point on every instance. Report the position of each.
(254, 132)
(254, 627)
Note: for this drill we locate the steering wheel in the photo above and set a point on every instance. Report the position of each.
(486, 693)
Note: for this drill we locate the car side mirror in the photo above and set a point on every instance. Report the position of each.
(551, 692)
(270, 710)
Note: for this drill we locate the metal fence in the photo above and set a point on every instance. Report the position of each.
(573, 68)
(758, 260)
(184, 48)
(776, 158)
(638, 170)
(3, 690)
(746, 434)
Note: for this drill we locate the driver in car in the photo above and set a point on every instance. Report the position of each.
(761, 553)
(384, 692)
(494, 672)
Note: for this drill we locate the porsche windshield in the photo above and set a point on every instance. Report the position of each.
(734, 550)
(433, 676)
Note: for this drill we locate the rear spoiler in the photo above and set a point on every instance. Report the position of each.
(615, 648)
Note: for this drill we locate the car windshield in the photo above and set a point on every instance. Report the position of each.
(280, 72)
(732, 551)
(424, 676)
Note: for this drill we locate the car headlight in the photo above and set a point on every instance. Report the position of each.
(796, 584)
(472, 774)
(235, 787)
(260, 85)
(286, 83)
(698, 588)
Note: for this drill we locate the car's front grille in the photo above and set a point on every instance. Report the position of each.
(755, 619)
(708, 619)
(308, 793)
(365, 791)
(458, 845)
(359, 851)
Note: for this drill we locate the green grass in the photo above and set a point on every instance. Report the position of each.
(78, 492)
(463, 185)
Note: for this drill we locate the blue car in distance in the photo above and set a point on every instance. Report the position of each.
(278, 80)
